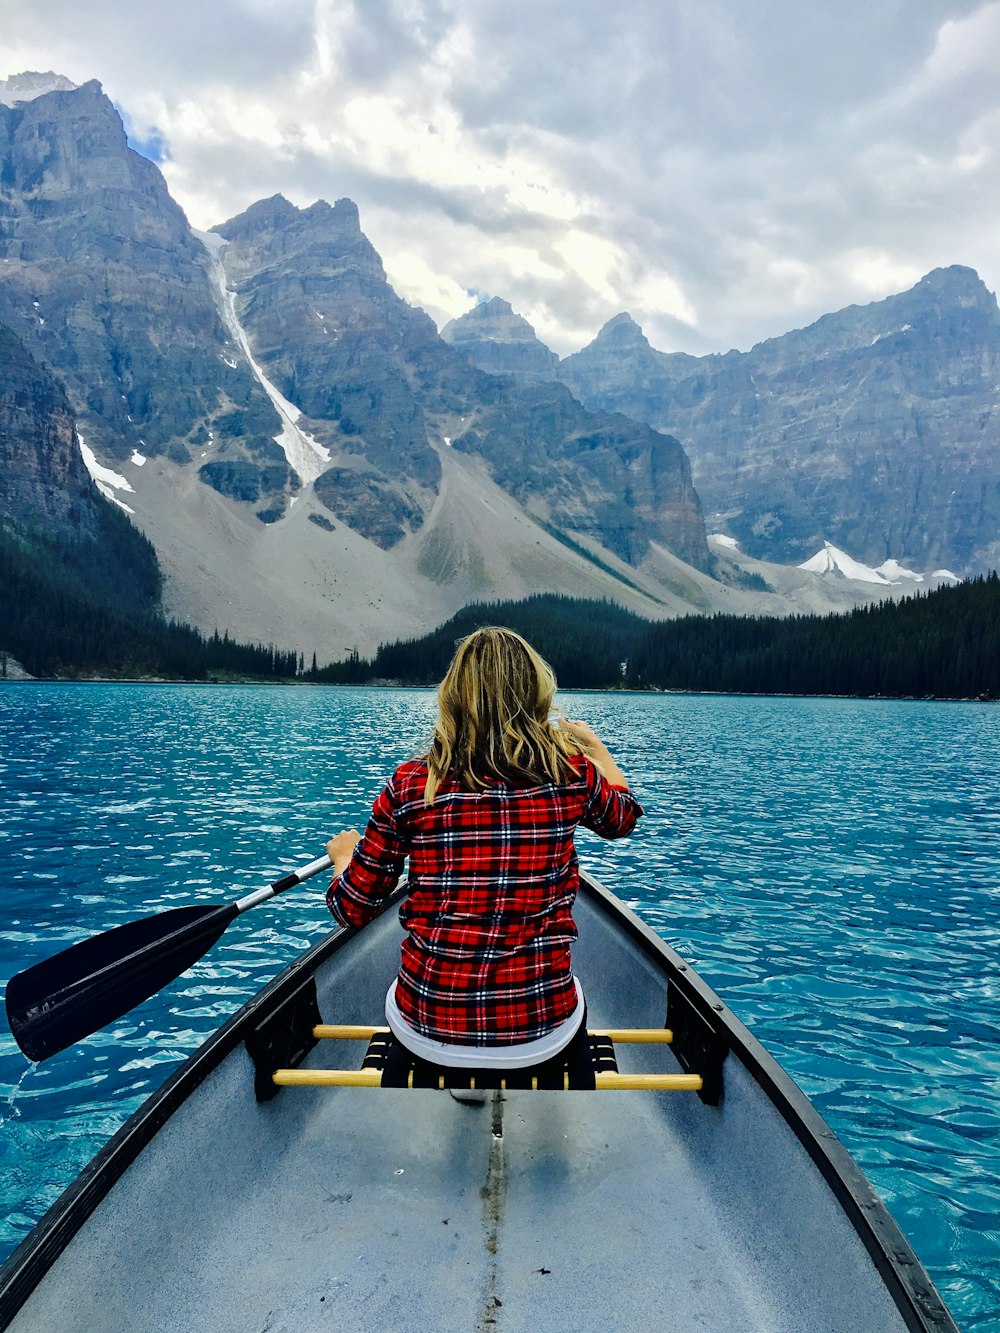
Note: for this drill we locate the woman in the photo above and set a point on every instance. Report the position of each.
(487, 819)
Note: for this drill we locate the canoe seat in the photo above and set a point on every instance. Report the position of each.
(587, 1065)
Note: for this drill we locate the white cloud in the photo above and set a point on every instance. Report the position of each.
(418, 283)
(723, 172)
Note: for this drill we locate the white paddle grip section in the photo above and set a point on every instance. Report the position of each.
(280, 885)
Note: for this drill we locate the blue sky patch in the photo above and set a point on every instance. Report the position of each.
(153, 146)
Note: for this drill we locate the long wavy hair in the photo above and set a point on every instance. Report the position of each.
(493, 717)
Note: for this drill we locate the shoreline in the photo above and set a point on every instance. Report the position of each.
(570, 689)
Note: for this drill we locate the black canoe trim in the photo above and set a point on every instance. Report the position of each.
(905, 1278)
(36, 1254)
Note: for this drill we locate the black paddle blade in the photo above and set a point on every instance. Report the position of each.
(90, 984)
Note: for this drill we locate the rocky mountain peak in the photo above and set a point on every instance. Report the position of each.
(345, 214)
(498, 340)
(495, 319)
(956, 285)
(70, 140)
(496, 305)
(605, 373)
(264, 216)
(103, 281)
(622, 331)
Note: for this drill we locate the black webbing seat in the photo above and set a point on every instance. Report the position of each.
(573, 1069)
(589, 1063)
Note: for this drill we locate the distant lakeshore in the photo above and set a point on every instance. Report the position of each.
(261, 683)
(943, 644)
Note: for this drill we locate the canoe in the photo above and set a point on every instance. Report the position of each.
(729, 1206)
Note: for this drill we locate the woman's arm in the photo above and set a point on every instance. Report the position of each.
(595, 749)
(366, 869)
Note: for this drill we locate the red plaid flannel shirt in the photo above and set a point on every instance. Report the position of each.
(492, 879)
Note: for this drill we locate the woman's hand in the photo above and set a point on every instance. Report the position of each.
(340, 849)
(595, 749)
(583, 732)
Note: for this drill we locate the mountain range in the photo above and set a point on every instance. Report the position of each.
(877, 428)
(317, 466)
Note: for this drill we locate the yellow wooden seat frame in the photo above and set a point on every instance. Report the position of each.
(372, 1078)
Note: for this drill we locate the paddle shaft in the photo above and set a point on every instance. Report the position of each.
(280, 885)
(213, 924)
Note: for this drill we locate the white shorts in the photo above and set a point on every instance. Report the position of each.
(509, 1056)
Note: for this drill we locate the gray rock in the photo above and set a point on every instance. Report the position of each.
(597, 474)
(875, 428)
(11, 668)
(501, 342)
(44, 482)
(48, 502)
(102, 278)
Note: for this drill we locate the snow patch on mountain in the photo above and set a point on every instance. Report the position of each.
(904, 328)
(721, 539)
(106, 481)
(304, 452)
(832, 562)
(895, 573)
(31, 84)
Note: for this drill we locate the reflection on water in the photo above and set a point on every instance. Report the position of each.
(830, 866)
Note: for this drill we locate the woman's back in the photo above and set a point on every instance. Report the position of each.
(486, 820)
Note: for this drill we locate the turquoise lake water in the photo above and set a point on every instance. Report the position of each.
(832, 867)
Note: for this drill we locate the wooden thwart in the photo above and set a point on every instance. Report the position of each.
(602, 1075)
(358, 1032)
(372, 1078)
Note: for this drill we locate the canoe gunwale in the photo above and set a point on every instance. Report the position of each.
(29, 1262)
(918, 1300)
(905, 1278)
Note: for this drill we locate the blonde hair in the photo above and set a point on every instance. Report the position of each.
(493, 717)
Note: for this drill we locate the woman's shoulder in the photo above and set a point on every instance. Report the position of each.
(582, 765)
(410, 774)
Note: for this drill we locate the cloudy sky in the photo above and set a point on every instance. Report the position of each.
(723, 170)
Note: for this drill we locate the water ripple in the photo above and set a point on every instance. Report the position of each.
(831, 867)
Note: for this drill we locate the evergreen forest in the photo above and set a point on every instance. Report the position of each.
(944, 644)
(73, 607)
(586, 642)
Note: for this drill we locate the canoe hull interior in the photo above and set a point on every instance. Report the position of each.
(395, 1210)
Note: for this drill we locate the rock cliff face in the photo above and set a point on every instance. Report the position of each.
(598, 475)
(48, 501)
(383, 394)
(877, 428)
(102, 278)
(43, 480)
(494, 338)
(338, 343)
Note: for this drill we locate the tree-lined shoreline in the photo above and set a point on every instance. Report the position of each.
(944, 644)
(941, 644)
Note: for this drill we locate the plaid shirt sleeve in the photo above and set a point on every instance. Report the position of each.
(610, 811)
(374, 870)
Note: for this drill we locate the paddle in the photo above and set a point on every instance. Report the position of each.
(61, 999)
